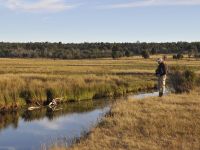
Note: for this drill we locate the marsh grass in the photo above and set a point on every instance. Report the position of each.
(27, 81)
(16, 89)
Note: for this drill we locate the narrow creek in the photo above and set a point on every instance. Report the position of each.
(32, 130)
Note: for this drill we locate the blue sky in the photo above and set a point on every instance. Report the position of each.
(99, 20)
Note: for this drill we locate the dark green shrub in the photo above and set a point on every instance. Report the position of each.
(174, 56)
(128, 53)
(178, 56)
(145, 54)
(116, 54)
(182, 81)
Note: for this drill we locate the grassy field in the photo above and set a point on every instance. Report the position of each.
(171, 122)
(27, 81)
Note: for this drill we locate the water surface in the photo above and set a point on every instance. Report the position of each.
(30, 130)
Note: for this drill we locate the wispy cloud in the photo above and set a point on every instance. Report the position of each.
(148, 3)
(61, 5)
(38, 6)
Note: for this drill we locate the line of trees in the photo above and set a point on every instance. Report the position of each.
(93, 50)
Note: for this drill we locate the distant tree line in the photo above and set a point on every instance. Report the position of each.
(95, 50)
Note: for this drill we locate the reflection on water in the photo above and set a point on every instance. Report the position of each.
(28, 130)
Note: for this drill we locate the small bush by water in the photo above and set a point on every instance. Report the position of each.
(183, 80)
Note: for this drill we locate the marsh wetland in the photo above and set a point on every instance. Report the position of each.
(86, 89)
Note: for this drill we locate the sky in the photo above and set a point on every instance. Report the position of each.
(99, 20)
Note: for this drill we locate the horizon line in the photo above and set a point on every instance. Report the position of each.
(121, 42)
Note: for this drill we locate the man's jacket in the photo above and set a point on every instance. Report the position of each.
(161, 70)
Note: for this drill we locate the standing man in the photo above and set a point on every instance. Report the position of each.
(161, 73)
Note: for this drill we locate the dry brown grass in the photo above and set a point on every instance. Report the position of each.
(172, 122)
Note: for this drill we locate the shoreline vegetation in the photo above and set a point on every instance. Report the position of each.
(171, 122)
(31, 92)
(28, 82)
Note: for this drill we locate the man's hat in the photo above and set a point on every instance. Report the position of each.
(159, 60)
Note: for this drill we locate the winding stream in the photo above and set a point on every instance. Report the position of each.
(33, 130)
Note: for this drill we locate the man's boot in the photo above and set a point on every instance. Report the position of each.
(160, 94)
